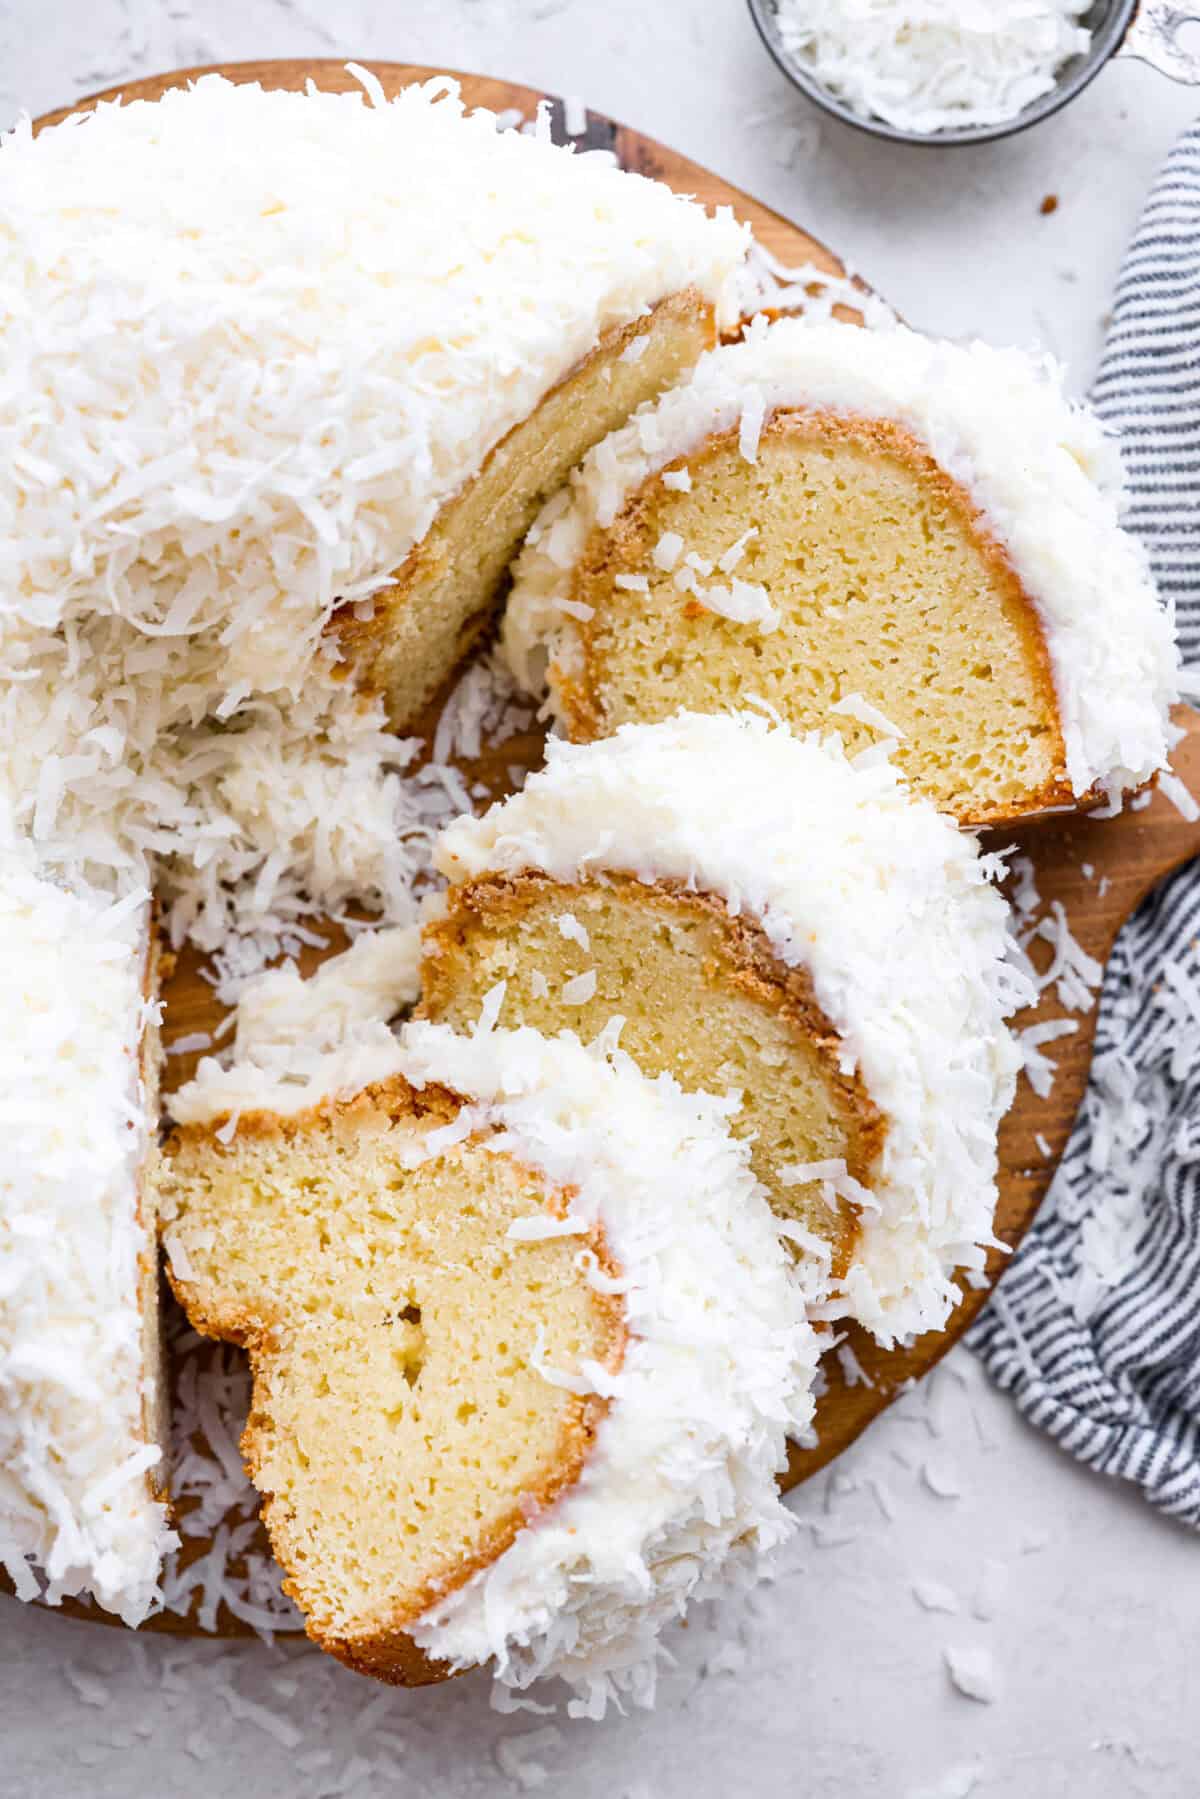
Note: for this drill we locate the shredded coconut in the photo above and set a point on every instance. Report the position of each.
(570, 928)
(935, 1596)
(973, 1672)
(1184, 802)
(930, 65)
(855, 705)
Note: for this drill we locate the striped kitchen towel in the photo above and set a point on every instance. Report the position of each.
(1095, 1329)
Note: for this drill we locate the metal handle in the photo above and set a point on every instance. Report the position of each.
(1153, 37)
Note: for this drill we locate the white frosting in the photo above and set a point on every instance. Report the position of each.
(74, 1496)
(1039, 468)
(881, 899)
(299, 1041)
(680, 1486)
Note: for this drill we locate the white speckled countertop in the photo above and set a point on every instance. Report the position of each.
(834, 1681)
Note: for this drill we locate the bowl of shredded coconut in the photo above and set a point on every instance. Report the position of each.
(963, 71)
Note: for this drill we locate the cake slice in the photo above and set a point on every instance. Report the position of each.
(525, 1346)
(764, 918)
(905, 539)
(83, 1402)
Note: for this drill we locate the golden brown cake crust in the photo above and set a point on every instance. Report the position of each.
(387, 1651)
(609, 550)
(747, 962)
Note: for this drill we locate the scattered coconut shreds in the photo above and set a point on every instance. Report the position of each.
(1039, 1069)
(883, 1496)
(989, 1591)
(214, 1498)
(516, 1757)
(1025, 896)
(1071, 971)
(572, 931)
(856, 706)
(941, 1480)
(1184, 802)
(1074, 975)
(1132, 1117)
(956, 1783)
(935, 1596)
(484, 709)
(853, 1372)
(88, 1687)
(580, 988)
(766, 282)
(973, 1672)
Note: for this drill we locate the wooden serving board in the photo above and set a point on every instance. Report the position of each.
(1127, 856)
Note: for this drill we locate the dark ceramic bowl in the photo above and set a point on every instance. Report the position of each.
(1145, 29)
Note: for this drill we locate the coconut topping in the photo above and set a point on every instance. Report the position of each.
(931, 65)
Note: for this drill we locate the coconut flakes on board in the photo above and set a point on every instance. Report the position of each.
(1073, 974)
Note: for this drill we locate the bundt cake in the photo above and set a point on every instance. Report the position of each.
(525, 1345)
(764, 917)
(83, 1402)
(872, 530)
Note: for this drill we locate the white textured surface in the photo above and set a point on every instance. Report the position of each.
(834, 1685)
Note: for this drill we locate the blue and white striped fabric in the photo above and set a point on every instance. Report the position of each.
(1095, 1329)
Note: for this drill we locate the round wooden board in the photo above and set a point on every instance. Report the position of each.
(1127, 856)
